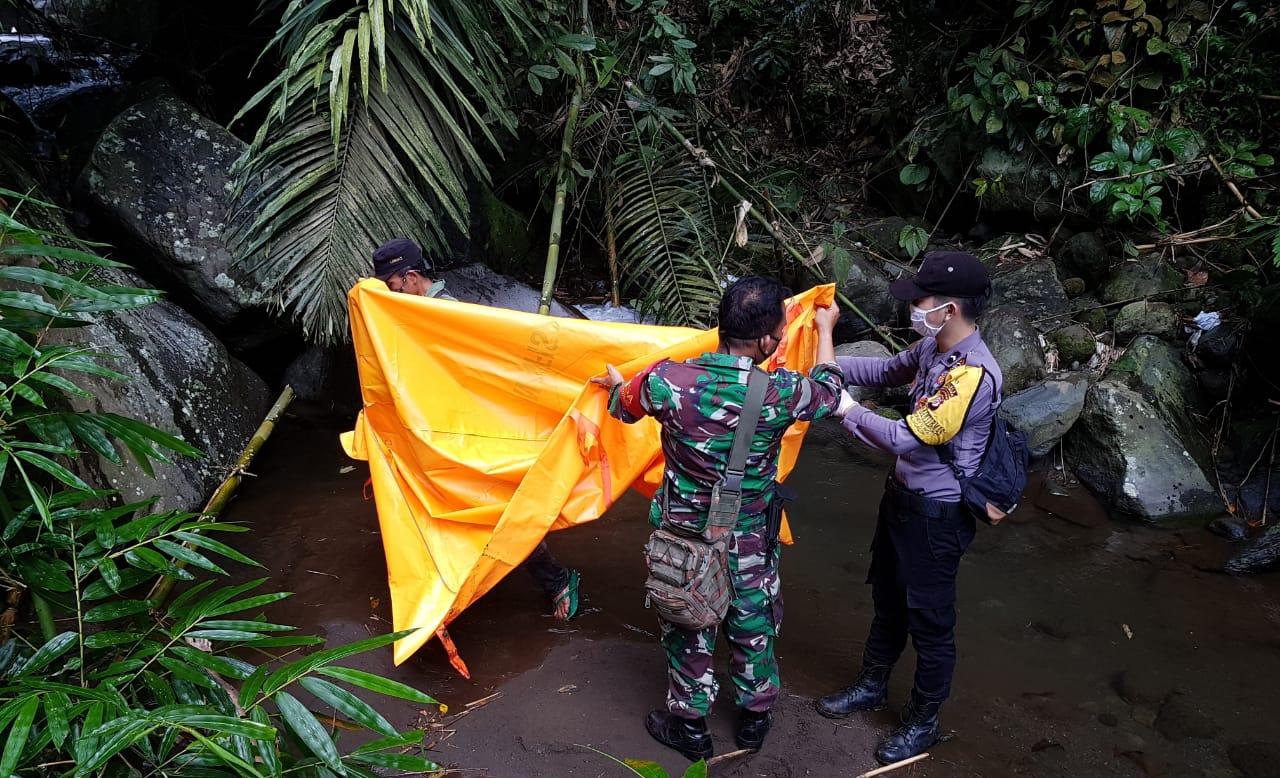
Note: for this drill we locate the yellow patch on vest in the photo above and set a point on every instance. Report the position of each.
(939, 417)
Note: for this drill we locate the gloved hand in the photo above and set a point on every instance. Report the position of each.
(847, 403)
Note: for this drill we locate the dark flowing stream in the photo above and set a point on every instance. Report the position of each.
(1087, 646)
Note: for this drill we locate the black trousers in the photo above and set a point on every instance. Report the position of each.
(547, 571)
(914, 560)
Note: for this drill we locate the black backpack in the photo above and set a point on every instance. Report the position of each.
(995, 488)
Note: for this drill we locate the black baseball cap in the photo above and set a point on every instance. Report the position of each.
(398, 256)
(944, 273)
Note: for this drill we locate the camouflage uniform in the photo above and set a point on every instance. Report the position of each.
(698, 403)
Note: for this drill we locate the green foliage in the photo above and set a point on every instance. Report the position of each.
(1144, 90)
(913, 240)
(131, 687)
(370, 131)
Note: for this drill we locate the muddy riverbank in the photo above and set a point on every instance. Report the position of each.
(1087, 647)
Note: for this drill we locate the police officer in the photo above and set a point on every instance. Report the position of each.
(922, 531)
(400, 265)
(699, 405)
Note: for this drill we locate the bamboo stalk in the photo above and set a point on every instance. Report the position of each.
(44, 614)
(222, 495)
(564, 169)
(705, 160)
(611, 247)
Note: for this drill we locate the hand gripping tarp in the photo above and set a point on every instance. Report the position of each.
(483, 433)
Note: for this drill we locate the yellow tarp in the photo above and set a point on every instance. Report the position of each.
(483, 433)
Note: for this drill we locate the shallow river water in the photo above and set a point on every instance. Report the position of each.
(1087, 646)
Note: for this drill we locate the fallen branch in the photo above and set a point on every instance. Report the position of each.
(1143, 298)
(160, 592)
(715, 760)
(895, 766)
(1235, 190)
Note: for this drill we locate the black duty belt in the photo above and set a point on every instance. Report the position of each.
(918, 503)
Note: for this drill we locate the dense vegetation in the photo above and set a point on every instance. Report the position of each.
(117, 681)
(1146, 116)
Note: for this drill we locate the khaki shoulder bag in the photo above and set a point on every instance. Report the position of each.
(689, 581)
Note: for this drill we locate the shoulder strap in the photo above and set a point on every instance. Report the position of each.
(947, 453)
(757, 383)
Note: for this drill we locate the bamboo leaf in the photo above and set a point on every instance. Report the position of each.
(309, 731)
(55, 714)
(19, 731)
(184, 554)
(116, 610)
(54, 648)
(209, 544)
(348, 705)
(376, 683)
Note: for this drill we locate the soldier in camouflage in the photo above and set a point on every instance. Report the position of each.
(698, 403)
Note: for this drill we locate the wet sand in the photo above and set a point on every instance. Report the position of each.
(1060, 611)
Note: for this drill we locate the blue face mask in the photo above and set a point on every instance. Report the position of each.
(921, 325)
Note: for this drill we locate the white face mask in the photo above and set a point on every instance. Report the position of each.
(921, 325)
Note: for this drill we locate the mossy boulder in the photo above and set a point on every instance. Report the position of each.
(506, 242)
(1075, 344)
(1146, 318)
(1136, 280)
(1084, 255)
(1088, 311)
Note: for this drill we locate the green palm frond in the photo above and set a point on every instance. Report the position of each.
(667, 246)
(339, 165)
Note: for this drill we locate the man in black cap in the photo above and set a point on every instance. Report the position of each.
(922, 531)
(400, 265)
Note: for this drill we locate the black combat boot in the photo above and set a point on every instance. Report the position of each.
(752, 728)
(688, 736)
(918, 732)
(868, 693)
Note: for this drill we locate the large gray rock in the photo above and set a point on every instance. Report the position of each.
(162, 172)
(1031, 185)
(1262, 554)
(1127, 452)
(1085, 255)
(1155, 370)
(1033, 289)
(1046, 411)
(882, 236)
(476, 283)
(181, 380)
(868, 287)
(1034, 292)
(1145, 318)
(1135, 280)
(1015, 343)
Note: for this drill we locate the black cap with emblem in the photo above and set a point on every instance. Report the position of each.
(946, 274)
(398, 256)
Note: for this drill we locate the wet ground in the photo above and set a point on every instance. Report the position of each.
(1087, 646)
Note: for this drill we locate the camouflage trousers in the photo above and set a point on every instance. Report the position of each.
(750, 627)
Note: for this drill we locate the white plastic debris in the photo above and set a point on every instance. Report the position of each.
(1205, 321)
(611, 312)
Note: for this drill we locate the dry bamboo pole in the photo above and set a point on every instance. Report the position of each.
(705, 160)
(895, 766)
(222, 495)
(1235, 190)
